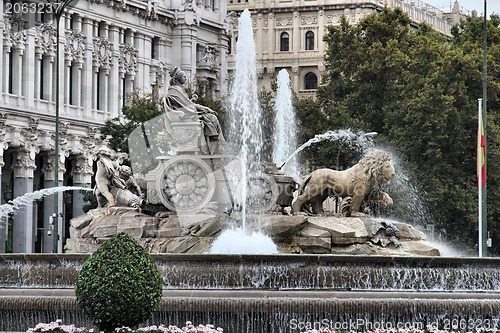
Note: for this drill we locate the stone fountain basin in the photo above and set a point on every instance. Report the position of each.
(274, 272)
(264, 293)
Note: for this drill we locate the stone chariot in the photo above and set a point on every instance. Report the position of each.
(202, 175)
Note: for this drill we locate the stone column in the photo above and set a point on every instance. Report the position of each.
(23, 240)
(114, 106)
(87, 75)
(3, 147)
(129, 83)
(48, 203)
(38, 68)
(295, 82)
(28, 85)
(77, 84)
(81, 172)
(103, 97)
(6, 68)
(95, 77)
(121, 89)
(4, 72)
(17, 66)
(188, 51)
(48, 81)
(66, 82)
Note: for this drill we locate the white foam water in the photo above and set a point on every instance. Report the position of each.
(239, 241)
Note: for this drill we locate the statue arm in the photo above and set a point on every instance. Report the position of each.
(136, 187)
(204, 109)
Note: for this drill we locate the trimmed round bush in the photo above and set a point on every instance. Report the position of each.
(119, 284)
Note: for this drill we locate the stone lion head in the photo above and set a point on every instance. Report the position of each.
(378, 167)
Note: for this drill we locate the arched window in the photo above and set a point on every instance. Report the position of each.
(309, 40)
(285, 42)
(310, 81)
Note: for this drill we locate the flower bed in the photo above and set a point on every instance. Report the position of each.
(411, 330)
(58, 327)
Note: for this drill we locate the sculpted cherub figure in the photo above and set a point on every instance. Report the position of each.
(111, 182)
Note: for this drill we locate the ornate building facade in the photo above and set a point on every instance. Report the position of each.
(289, 33)
(108, 48)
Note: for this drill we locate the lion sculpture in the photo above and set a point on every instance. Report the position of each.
(363, 180)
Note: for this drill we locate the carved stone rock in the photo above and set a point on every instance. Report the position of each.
(291, 234)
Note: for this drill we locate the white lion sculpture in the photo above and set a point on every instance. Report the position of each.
(364, 179)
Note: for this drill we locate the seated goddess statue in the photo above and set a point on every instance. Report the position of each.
(178, 104)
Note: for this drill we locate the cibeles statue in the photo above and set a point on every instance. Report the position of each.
(115, 183)
(179, 108)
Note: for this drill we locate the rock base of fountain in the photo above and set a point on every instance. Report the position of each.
(292, 234)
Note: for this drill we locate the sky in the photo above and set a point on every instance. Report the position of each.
(478, 5)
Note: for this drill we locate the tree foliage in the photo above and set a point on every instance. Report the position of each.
(137, 110)
(419, 90)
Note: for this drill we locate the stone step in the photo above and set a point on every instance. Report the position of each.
(264, 310)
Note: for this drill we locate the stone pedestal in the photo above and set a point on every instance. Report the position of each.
(292, 234)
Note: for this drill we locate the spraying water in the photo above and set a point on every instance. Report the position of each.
(14, 205)
(239, 241)
(245, 129)
(360, 138)
(285, 134)
(245, 114)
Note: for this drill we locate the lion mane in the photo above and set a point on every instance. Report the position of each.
(372, 165)
(366, 178)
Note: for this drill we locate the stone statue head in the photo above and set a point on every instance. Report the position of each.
(177, 76)
(109, 153)
(125, 171)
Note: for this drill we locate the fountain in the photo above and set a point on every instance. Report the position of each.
(268, 293)
(360, 139)
(285, 122)
(17, 203)
(245, 110)
(331, 270)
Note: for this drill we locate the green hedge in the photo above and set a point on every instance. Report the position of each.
(119, 284)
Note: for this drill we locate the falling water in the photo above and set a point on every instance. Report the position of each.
(14, 205)
(245, 114)
(411, 199)
(360, 138)
(245, 119)
(285, 134)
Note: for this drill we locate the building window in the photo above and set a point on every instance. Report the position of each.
(284, 42)
(310, 40)
(310, 81)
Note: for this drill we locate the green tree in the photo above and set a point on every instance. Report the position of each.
(419, 91)
(137, 110)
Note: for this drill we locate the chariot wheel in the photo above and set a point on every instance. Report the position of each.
(185, 183)
(262, 193)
